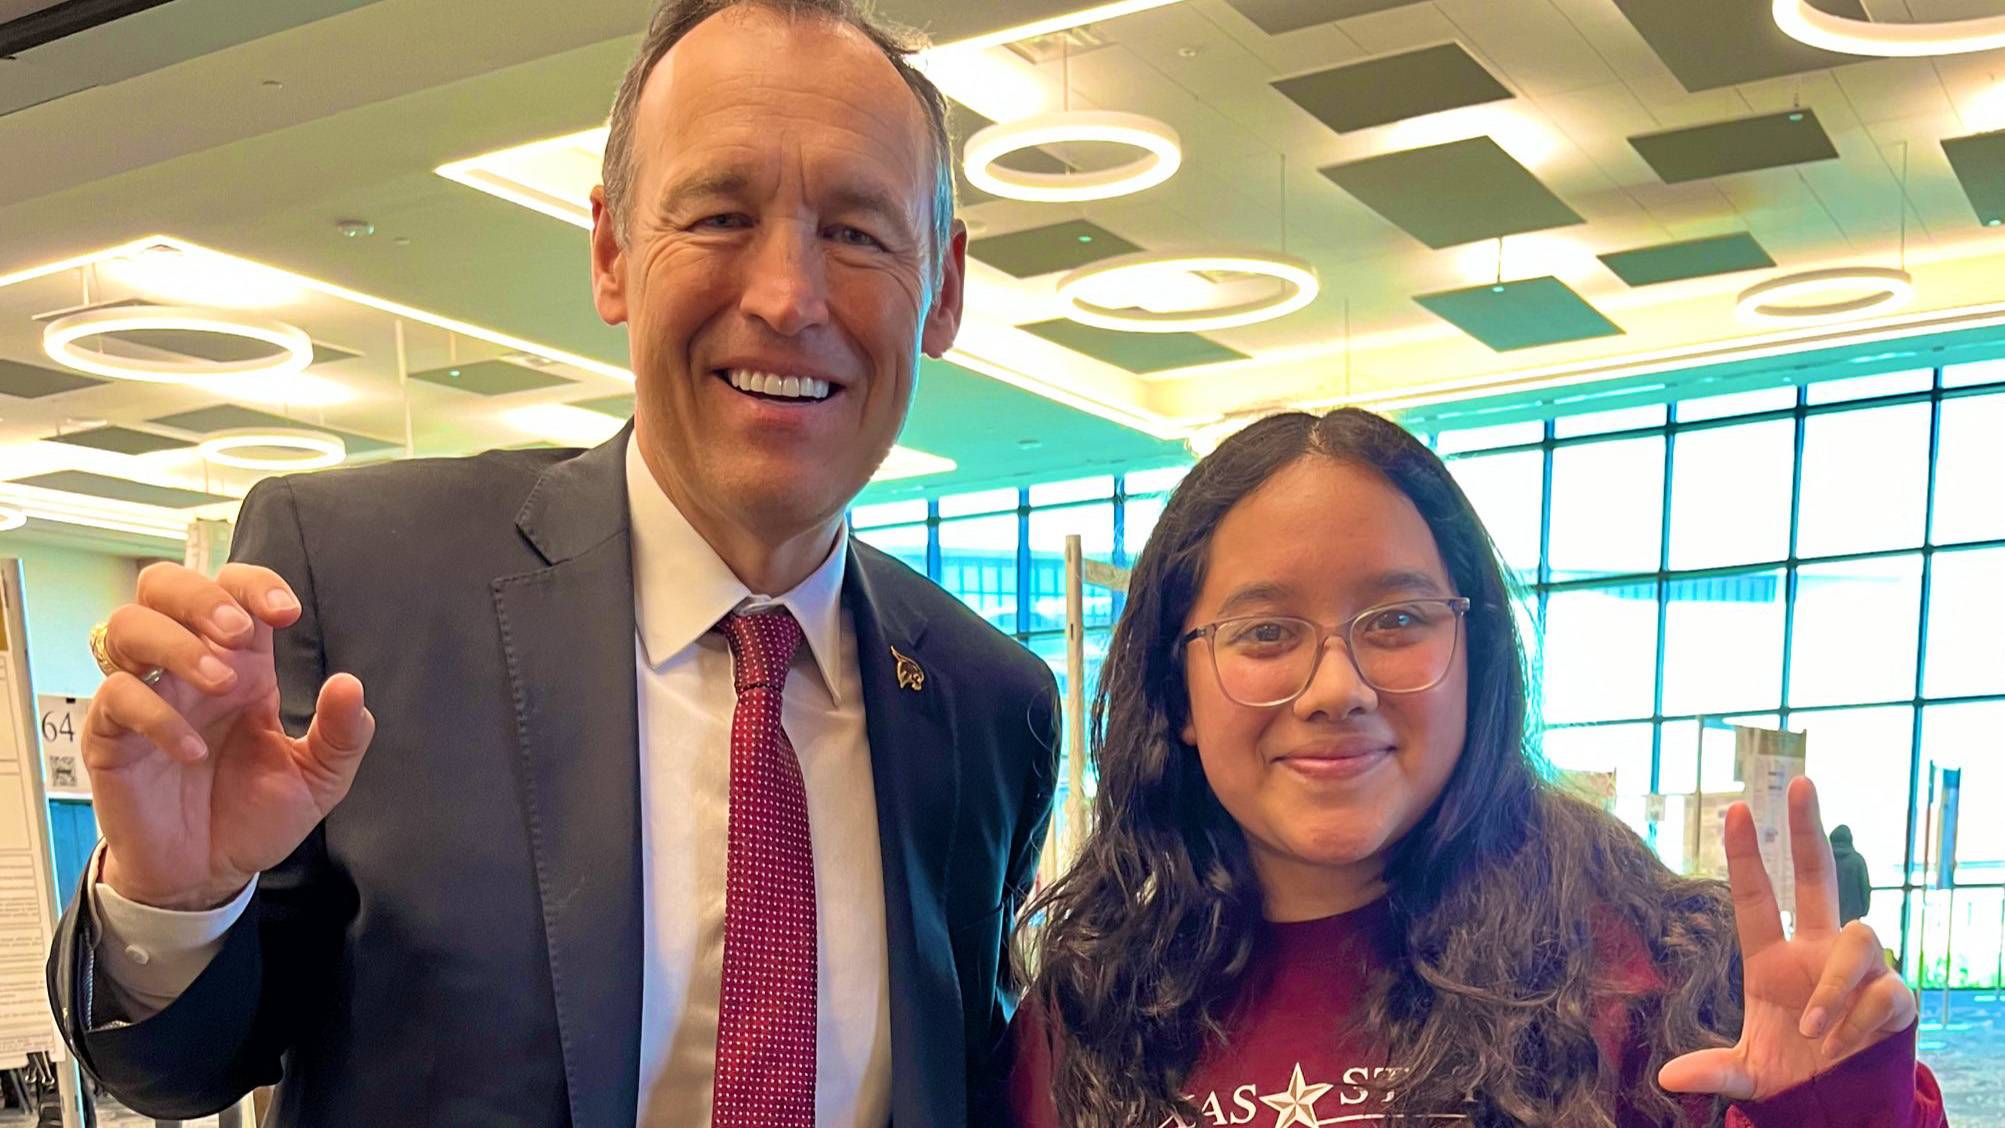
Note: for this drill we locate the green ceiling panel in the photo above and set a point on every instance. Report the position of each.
(1045, 250)
(1394, 87)
(230, 417)
(119, 489)
(489, 378)
(120, 440)
(1459, 192)
(1692, 258)
(619, 407)
(1979, 162)
(1708, 44)
(1278, 16)
(1521, 314)
(31, 381)
(1701, 152)
(1136, 352)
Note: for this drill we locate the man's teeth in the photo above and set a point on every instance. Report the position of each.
(788, 387)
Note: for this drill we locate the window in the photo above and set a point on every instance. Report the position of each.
(1970, 465)
(1600, 653)
(1857, 623)
(1730, 494)
(1865, 480)
(1508, 491)
(1607, 508)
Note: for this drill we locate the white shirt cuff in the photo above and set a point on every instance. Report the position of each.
(150, 955)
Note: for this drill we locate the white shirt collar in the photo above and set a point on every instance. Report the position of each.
(682, 588)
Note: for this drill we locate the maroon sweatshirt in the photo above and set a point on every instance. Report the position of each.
(1290, 1058)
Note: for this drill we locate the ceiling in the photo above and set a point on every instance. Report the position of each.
(1642, 161)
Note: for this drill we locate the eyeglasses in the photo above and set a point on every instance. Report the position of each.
(1266, 660)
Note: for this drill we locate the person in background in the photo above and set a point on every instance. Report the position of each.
(1327, 881)
(1855, 884)
(680, 805)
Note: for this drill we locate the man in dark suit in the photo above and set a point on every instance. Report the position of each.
(678, 806)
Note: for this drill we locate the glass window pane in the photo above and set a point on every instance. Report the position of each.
(888, 513)
(1970, 465)
(978, 564)
(1079, 489)
(1683, 761)
(1859, 760)
(1865, 480)
(1723, 643)
(1602, 422)
(1866, 387)
(1730, 494)
(1154, 481)
(906, 542)
(1048, 529)
(1970, 375)
(1737, 403)
(1485, 438)
(1621, 750)
(1138, 520)
(1966, 624)
(1508, 492)
(1856, 631)
(1607, 508)
(986, 501)
(1600, 653)
(1970, 737)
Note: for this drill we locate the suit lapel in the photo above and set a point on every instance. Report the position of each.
(567, 631)
(917, 778)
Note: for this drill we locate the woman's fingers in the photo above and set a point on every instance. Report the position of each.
(1854, 959)
(1816, 869)
(1711, 1072)
(1756, 917)
(1884, 1006)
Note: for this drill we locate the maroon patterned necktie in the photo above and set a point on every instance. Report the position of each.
(766, 1016)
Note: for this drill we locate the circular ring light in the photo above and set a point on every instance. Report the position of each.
(11, 518)
(60, 338)
(1299, 286)
(319, 450)
(1888, 289)
(1804, 23)
(1162, 154)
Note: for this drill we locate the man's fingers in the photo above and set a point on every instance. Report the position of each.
(1756, 917)
(1855, 958)
(1711, 1072)
(340, 733)
(138, 639)
(226, 614)
(1884, 1007)
(1816, 871)
(262, 592)
(125, 708)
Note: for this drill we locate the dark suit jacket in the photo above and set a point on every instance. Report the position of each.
(459, 943)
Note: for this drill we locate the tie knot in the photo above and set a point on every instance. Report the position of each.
(762, 647)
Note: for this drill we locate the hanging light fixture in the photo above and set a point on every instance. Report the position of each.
(1085, 290)
(60, 340)
(314, 450)
(1886, 289)
(11, 518)
(1804, 23)
(1162, 155)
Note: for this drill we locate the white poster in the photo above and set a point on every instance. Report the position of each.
(27, 881)
(1768, 760)
(61, 720)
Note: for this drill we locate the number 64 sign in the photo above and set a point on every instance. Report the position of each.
(62, 757)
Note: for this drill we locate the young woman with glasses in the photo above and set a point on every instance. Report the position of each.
(1327, 882)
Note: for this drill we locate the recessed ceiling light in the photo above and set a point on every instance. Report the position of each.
(1803, 22)
(1769, 302)
(60, 337)
(1162, 154)
(315, 449)
(1086, 290)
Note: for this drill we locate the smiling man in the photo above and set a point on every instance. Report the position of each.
(679, 806)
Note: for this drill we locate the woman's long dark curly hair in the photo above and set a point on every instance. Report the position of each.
(1146, 941)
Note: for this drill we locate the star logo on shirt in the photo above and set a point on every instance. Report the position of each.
(1297, 1103)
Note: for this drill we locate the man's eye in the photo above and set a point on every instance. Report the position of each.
(855, 237)
(727, 222)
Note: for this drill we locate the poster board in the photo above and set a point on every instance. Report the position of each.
(1765, 760)
(27, 865)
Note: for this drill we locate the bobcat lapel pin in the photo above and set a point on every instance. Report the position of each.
(910, 676)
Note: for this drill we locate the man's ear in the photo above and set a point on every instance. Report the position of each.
(943, 320)
(609, 263)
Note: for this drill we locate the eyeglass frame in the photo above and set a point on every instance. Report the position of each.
(1459, 604)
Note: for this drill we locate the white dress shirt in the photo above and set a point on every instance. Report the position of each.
(683, 676)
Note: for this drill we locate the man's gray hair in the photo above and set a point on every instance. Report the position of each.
(674, 19)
